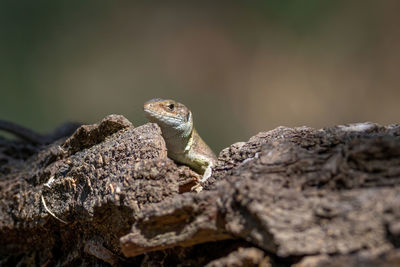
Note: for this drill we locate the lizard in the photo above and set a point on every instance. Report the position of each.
(184, 144)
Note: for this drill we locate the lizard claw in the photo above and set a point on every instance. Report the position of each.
(207, 174)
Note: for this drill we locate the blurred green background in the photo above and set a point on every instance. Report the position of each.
(241, 66)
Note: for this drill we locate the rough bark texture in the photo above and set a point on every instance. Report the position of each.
(109, 195)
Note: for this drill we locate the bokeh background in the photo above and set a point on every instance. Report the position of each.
(241, 66)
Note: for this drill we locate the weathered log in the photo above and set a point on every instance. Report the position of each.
(109, 195)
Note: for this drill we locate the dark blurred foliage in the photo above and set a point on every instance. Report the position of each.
(241, 66)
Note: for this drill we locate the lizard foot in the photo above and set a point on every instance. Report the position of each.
(197, 188)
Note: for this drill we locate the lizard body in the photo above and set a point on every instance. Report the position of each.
(184, 144)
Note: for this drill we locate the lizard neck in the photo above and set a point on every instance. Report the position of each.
(178, 140)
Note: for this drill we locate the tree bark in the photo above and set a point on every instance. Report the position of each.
(109, 194)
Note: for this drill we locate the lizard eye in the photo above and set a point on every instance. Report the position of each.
(171, 106)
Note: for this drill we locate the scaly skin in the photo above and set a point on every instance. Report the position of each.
(184, 144)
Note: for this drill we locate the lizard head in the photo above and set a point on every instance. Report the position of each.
(173, 118)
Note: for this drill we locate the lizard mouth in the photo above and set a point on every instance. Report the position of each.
(151, 114)
(165, 118)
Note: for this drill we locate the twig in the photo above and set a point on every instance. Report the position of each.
(49, 211)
